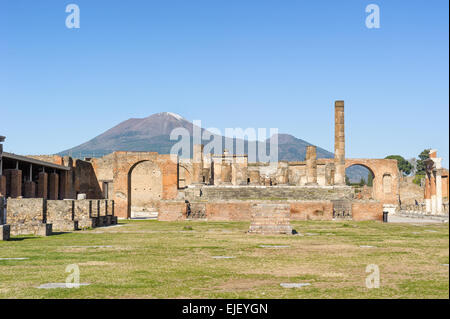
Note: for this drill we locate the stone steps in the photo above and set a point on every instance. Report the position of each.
(421, 215)
(271, 193)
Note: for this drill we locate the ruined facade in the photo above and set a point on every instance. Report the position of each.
(213, 186)
(225, 186)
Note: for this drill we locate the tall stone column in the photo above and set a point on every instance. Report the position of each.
(29, 189)
(311, 165)
(42, 185)
(197, 164)
(339, 143)
(53, 186)
(283, 173)
(439, 191)
(427, 196)
(433, 193)
(14, 182)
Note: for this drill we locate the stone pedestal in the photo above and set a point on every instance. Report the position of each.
(4, 232)
(60, 213)
(27, 216)
(271, 219)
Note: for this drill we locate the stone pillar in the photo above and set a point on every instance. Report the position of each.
(2, 185)
(197, 164)
(433, 193)
(64, 189)
(42, 185)
(427, 196)
(14, 182)
(311, 165)
(255, 177)
(53, 186)
(29, 189)
(226, 173)
(439, 191)
(283, 173)
(239, 170)
(339, 143)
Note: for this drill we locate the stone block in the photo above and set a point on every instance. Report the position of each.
(60, 213)
(271, 219)
(4, 232)
(34, 228)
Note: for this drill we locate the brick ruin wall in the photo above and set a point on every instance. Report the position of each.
(242, 210)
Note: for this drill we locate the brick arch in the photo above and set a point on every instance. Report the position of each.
(186, 171)
(123, 165)
(380, 168)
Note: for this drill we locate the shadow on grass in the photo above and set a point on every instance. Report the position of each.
(20, 238)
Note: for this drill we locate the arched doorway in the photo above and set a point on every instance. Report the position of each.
(362, 178)
(144, 189)
(185, 176)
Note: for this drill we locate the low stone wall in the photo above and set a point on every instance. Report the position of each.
(83, 214)
(40, 217)
(233, 211)
(27, 216)
(242, 210)
(172, 211)
(60, 213)
(309, 210)
(369, 210)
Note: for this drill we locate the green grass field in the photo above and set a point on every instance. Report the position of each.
(151, 259)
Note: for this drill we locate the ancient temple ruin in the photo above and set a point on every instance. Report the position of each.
(212, 186)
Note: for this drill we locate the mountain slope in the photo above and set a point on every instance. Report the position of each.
(153, 134)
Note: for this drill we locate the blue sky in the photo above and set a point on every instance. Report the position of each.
(228, 63)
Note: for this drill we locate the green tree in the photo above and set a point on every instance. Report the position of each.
(347, 180)
(370, 179)
(420, 169)
(362, 182)
(403, 165)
